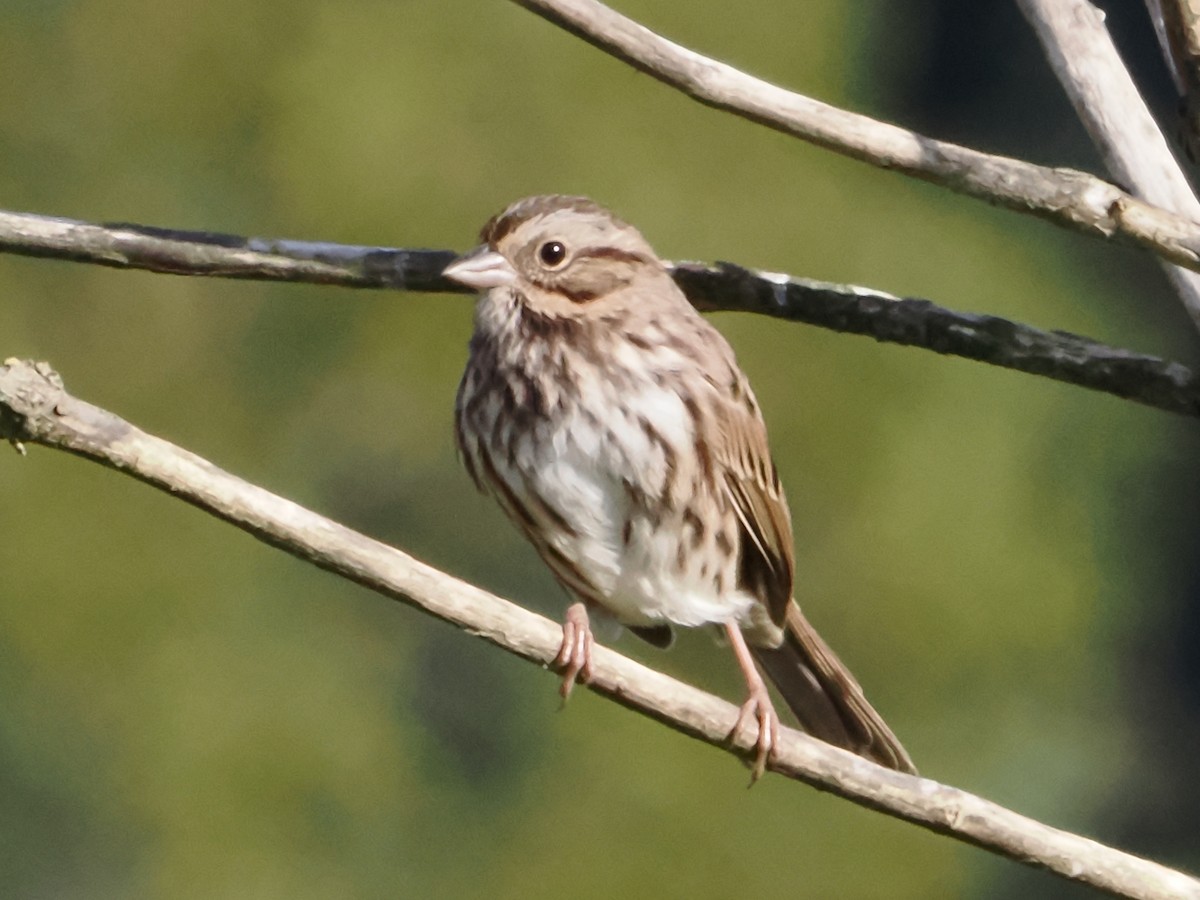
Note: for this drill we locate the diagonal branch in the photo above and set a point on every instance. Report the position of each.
(1177, 23)
(1083, 56)
(1066, 197)
(35, 408)
(1064, 357)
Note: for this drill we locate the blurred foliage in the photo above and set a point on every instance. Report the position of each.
(186, 713)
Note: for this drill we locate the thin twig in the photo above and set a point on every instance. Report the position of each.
(1066, 197)
(914, 322)
(1177, 23)
(36, 409)
(1169, 28)
(1108, 103)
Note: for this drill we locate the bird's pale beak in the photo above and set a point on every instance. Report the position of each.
(481, 269)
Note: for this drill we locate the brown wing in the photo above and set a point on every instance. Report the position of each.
(749, 480)
(817, 686)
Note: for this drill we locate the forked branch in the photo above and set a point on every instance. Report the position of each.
(1107, 101)
(1072, 199)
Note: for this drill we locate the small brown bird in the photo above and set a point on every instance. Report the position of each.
(614, 427)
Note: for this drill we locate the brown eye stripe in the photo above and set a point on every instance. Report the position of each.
(614, 253)
(580, 296)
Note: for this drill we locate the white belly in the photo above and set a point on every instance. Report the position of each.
(633, 560)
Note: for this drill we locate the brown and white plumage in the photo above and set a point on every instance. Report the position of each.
(613, 425)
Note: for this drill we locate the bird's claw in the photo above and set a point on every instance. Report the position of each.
(574, 657)
(759, 709)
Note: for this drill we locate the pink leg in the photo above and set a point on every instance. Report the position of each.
(758, 705)
(575, 654)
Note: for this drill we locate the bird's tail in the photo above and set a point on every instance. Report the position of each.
(824, 696)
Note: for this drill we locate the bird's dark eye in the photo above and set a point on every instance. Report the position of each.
(552, 253)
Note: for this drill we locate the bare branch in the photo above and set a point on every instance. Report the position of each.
(1177, 23)
(1054, 354)
(35, 408)
(1168, 21)
(1107, 101)
(1065, 357)
(1066, 197)
(127, 246)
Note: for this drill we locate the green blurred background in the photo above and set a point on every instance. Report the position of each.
(1006, 562)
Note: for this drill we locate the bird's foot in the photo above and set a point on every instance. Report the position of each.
(759, 709)
(758, 706)
(574, 657)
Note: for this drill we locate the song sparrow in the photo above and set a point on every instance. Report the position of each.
(614, 427)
